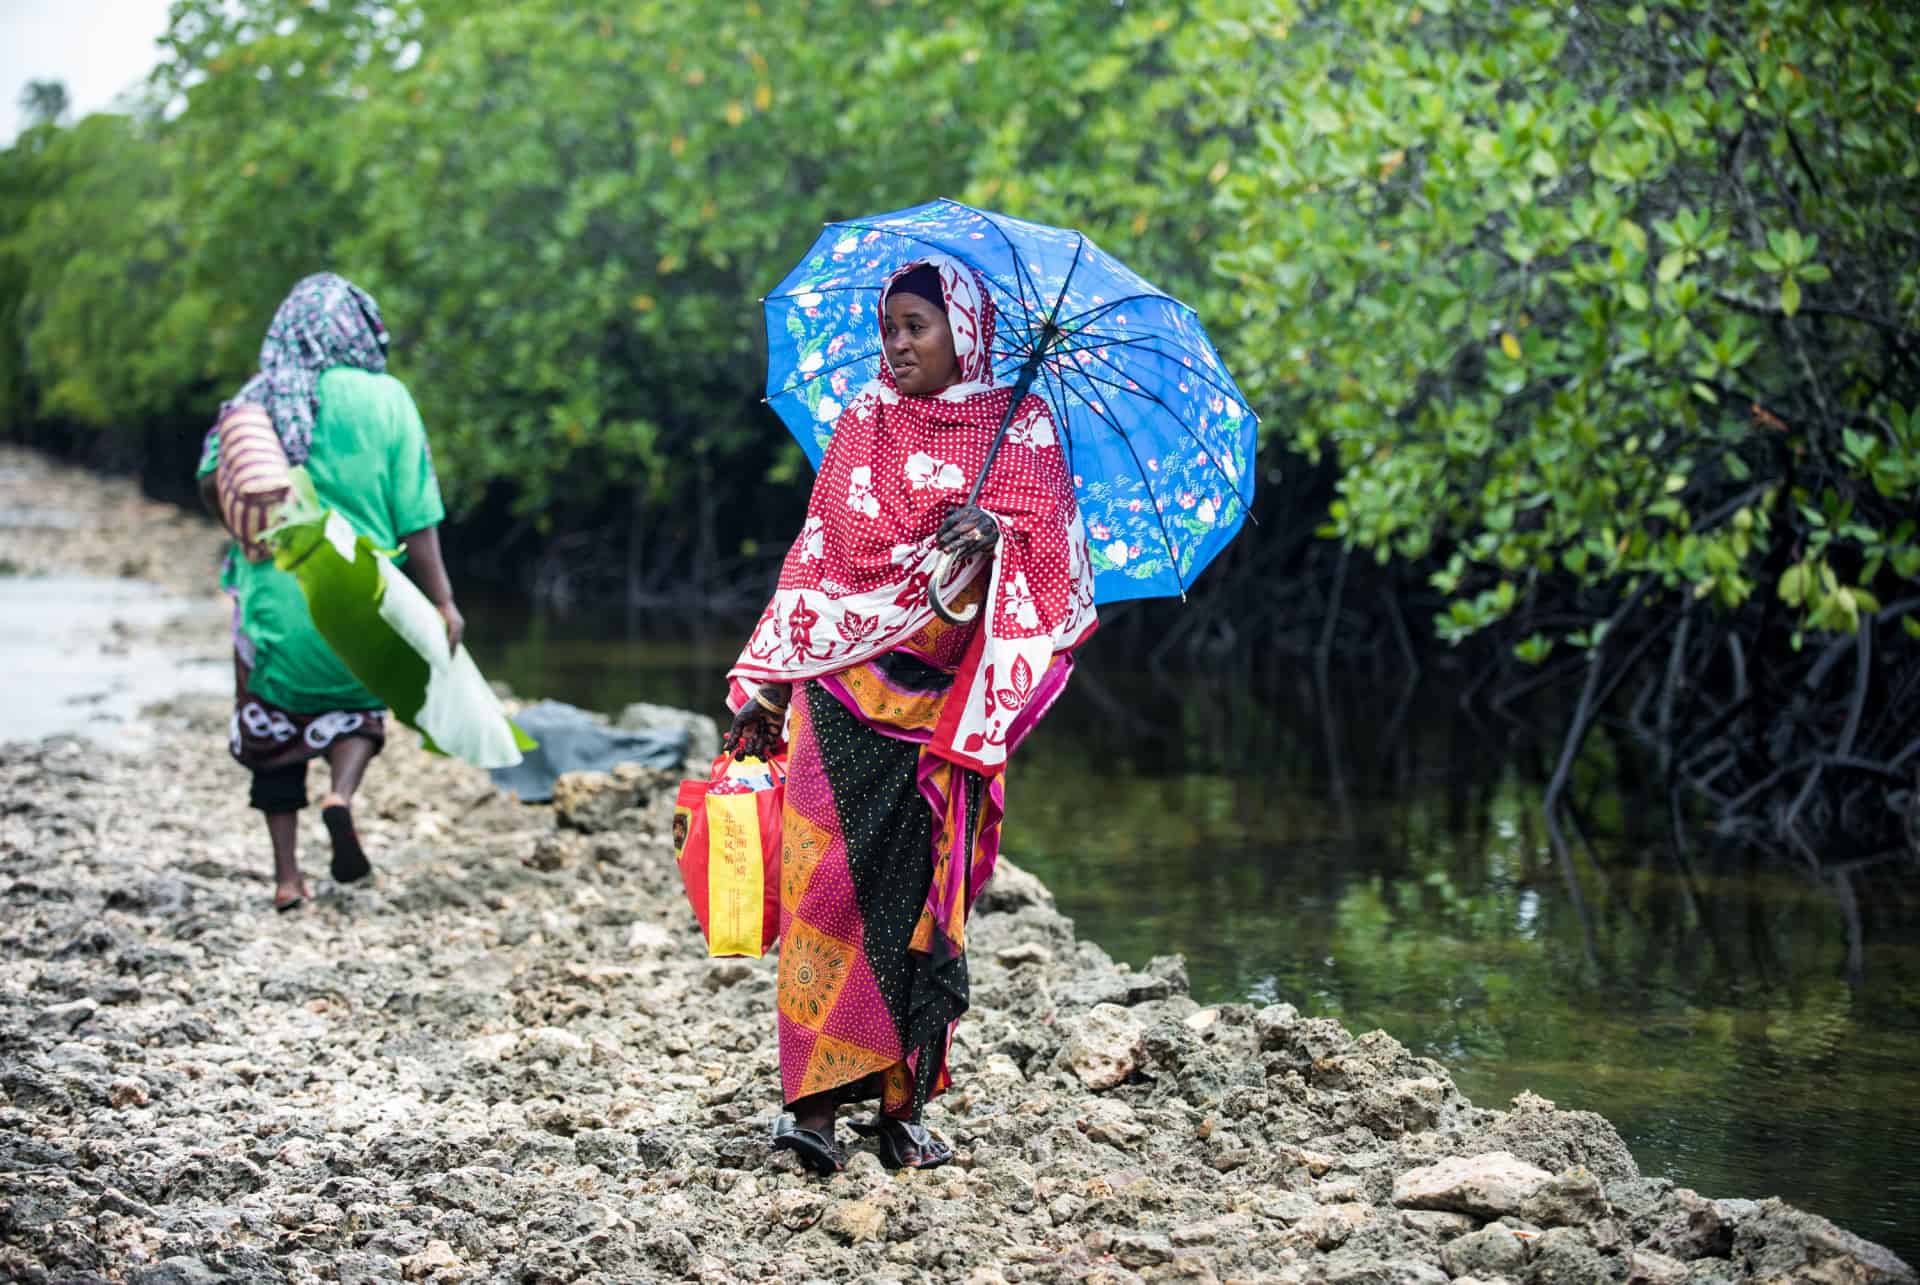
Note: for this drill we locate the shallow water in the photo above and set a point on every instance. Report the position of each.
(82, 655)
(1706, 1009)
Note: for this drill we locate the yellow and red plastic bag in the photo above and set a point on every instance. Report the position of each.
(726, 833)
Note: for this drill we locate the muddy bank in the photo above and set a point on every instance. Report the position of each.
(508, 1060)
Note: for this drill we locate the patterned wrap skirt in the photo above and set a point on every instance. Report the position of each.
(263, 737)
(871, 987)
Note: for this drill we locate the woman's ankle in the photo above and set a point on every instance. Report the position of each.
(812, 1113)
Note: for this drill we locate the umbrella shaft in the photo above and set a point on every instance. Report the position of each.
(1022, 382)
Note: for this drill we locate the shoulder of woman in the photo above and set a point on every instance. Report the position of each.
(365, 392)
(365, 382)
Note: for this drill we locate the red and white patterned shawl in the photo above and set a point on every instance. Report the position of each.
(854, 585)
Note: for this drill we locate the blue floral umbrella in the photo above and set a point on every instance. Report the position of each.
(1159, 438)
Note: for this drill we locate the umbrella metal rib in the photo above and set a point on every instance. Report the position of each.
(1185, 427)
(1057, 403)
(1166, 536)
(1049, 336)
(937, 248)
(1019, 268)
(795, 294)
(824, 370)
(1061, 350)
(1079, 248)
(1098, 310)
(1141, 341)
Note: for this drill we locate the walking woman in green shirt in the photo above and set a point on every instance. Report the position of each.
(323, 384)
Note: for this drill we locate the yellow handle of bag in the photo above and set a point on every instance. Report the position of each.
(735, 877)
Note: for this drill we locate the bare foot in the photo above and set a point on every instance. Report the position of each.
(287, 896)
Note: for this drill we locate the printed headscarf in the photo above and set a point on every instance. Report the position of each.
(325, 321)
(855, 582)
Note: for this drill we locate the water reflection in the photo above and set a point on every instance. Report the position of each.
(1713, 1020)
(1706, 1009)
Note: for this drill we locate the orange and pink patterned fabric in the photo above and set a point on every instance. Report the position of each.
(886, 843)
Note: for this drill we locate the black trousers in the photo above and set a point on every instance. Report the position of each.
(279, 789)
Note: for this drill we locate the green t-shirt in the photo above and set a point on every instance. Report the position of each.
(370, 464)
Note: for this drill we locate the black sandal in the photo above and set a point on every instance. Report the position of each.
(819, 1153)
(349, 859)
(897, 1137)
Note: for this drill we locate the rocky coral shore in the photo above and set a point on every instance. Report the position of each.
(507, 1059)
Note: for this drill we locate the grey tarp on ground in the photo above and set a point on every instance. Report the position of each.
(575, 740)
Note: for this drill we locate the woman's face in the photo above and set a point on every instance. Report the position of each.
(919, 346)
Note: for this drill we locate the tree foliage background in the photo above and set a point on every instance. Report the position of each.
(1598, 325)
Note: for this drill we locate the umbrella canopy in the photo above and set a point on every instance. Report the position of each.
(1158, 436)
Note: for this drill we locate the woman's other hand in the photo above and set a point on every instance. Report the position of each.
(755, 732)
(429, 570)
(456, 623)
(967, 531)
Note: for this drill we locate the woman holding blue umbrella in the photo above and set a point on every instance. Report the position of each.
(1030, 428)
(916, 636)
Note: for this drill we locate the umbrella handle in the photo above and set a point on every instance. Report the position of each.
(940, 609)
